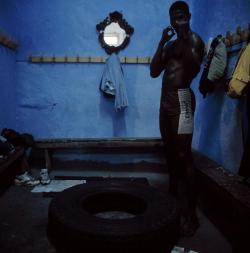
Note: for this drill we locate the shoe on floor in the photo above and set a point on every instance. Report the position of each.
(26, 179)
(44, 176)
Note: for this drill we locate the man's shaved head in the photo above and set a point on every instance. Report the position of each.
(179, 5)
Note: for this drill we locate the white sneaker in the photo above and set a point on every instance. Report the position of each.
(44, 176)
(26, 179)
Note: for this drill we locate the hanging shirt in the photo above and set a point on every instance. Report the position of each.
(218, 62)
(241, 73)
(215, 66)
(242, 70)
(113, 83)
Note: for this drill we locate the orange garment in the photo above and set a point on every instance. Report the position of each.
(241, 74)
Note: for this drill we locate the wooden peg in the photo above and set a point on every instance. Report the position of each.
(236, 38)
(247, 31)
(247, 34)
(5, 40)
(53, 58)
(230, 38)
(227, 41)
(244, 34)
(77, 58)
(239, 34)
(66, 58)
(228, 35)
(238, 30)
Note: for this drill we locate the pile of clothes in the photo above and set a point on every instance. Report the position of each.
(10, 140)
(6, 147)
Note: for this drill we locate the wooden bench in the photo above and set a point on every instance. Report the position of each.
(225, 200)
(94, 144)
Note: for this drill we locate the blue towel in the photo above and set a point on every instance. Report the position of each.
(112, 82)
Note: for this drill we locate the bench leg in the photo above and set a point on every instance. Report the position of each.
(47, 159)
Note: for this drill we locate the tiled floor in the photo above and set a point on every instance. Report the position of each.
(23, 220)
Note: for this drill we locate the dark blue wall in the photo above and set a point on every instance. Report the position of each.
(63, 100)
(7, 71)
(218, 129)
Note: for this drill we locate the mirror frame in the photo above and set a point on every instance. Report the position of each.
(117, 18)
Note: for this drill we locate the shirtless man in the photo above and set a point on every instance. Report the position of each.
(180, 59)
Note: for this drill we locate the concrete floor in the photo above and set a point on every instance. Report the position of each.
(23, 219)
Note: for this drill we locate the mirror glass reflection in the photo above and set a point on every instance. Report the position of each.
(114, 35)
(114, 32)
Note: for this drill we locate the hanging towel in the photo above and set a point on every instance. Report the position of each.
(112, 82)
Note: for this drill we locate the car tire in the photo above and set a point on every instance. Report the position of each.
(113, 217)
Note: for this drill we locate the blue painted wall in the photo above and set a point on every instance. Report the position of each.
(7, 71)
(218, 128)
(63, 100)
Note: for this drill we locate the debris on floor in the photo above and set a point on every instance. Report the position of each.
(57, 185)
(177, 249)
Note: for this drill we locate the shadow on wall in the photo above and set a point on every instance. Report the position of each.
(107, 110)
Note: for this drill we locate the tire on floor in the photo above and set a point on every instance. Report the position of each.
(113, 217)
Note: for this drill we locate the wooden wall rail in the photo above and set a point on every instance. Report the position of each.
(230, 39)
(8, 42)
(86, 59)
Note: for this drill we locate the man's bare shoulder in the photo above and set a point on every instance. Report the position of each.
(196, 40)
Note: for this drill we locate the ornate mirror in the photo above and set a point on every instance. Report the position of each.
(114, 32)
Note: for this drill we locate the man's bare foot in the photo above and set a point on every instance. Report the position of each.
(189, 226)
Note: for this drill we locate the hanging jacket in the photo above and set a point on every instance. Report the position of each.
(113, 83)
(242, 69)
(241, 74)
(215, 66)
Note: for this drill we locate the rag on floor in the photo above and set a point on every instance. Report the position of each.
(113, 83)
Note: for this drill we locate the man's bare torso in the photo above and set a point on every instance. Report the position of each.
(180, 58)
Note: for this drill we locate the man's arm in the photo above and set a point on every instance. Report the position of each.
(194, 54)
(157, 63)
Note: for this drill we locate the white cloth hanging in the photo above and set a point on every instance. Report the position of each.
(113, 83)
